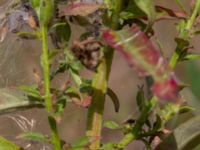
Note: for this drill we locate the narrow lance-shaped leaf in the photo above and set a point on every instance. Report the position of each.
(80, 143)
(79, 9)
(140, 53)
(111, 125)
(148, 7)
(167, 13)
(7, 145)
(33, 136)
(114, 99)
(15, 100)
(140, 99)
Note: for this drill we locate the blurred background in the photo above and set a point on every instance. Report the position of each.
(19, 57)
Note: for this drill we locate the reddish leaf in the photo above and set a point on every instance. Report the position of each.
(166, 89)
(79, 9)
(171, 13)
(140, 53)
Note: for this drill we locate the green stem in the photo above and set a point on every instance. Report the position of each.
(134, 134)
(48, 99)
(185, 34)
(46, 72)
(55, 140)
(128, 138)
(193, 16)
(95, 112)
(100, 85)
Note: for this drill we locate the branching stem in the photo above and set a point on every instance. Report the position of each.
(185, 35)
(100, 85)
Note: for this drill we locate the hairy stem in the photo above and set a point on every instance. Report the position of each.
(45, 17)
(100, 85)
(48, 100)
(46, 72)
(185, 35)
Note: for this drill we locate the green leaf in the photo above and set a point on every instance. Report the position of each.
(191, 57)
(185, 109)
(32, 91)
(61, 68)
(35, 3)
(133, 8)
(184, 137)
(148, 7)
(84, 88)
(72, 92)
(140, 99)
(157, 124)
(69, 56)
(60, 105)
(126, 15)
(108, 3)
(63, 33)
(148, 123)
(33, 136)
(108, 146)
(14, 100)
(28, 35)
(193, 74)
(132, 11)
(75, 76)
(168, 112)
(76, 65)
(111, 125)
(53, 53)
(7, 145)
(82, 142)
(114, 99)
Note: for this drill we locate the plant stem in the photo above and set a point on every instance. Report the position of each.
(55, 140)
(133, 135)
(185, 34)
(46, 72)
(100, 85)
(48, 100)
(95, 113)
(128, 138)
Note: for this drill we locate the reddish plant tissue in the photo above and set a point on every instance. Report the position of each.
(140, 53)
(79, 9)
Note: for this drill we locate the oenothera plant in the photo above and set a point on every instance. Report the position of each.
(122, 26)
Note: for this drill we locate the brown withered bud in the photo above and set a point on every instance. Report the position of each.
(88, 52)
